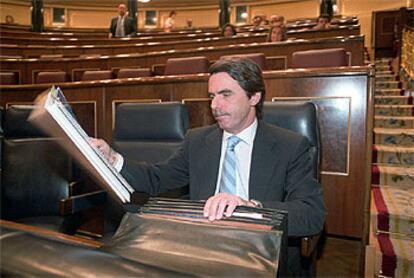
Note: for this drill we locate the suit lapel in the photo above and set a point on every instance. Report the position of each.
(211, 150)
(264, 160)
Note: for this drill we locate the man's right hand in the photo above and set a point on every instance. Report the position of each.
(105, 149)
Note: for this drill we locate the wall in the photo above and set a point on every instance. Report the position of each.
(19, 11)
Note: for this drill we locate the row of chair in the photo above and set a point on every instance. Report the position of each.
(333, 57)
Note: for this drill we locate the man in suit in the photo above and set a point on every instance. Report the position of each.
(269, 166)
(122, 25)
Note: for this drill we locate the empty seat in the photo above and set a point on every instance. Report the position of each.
(90, 75)
(187, 65)
(331, 57)
(258, 58)
(51, 77)
(36, 174)
(131, 73)
(8, 78)
(136, 136)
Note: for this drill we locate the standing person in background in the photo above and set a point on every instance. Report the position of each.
(169, 23)
(228, 30)
(122, 25)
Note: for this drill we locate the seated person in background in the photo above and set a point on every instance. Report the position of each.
(257, 21)
(228, 30)
(169, 23)
(189, 23)
(277, 34)
(122, 25)
(277, 20)
(323, 23)
(240, 161)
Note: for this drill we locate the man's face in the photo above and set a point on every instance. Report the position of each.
(230, 105)
(122, 9)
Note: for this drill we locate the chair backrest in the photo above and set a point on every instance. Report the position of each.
(36, 171)
(51, 77)
(331, 57)
(8, 78)
(149, 132)
(131, 73)
(300, 117)
(186, 65)
(258, 58)
(90, 75)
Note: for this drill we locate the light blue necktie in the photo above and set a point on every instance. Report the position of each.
(228, 175)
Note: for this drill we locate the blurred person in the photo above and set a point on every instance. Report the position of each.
(122, 25)
(169, 23)
(277, 20)
(323, 23)
(277, 34)
(228, 30)
(189, 23)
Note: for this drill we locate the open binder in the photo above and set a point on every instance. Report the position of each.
(55, 117)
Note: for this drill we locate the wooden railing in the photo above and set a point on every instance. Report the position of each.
(407, 52)
(278, 56)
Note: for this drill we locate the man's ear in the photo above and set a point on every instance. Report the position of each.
(254, 99)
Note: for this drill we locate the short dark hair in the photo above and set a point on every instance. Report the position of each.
(232, 28)
(172, 13)
(247, 73)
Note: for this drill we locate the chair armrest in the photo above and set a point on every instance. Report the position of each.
(308, 245)
(81, 202)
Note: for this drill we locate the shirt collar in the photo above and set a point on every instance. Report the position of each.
(246, 135)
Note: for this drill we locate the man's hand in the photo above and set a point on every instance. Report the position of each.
(223, 204)
(105, 149)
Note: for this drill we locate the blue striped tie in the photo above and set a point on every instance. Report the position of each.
(228, 175)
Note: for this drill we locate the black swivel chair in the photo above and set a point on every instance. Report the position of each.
(37, 177)
(300, 117)
(148, 132)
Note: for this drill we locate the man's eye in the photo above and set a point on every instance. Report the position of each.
(226, 94)
(210, 96)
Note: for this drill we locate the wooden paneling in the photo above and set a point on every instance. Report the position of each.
(343, 96)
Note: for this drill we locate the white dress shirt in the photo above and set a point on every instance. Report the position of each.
(243, 153)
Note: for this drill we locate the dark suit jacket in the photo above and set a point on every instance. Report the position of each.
(129, 26)
(280, 176)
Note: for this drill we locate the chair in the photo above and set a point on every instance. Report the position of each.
(137, 137)
(187, 65)
(51, 77)
(300, 117)
(37, 176)
(132, 73)
(91, 75)
(331, 57)
(258, 58)
(8, 78)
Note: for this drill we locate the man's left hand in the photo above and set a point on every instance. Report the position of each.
(223, 204)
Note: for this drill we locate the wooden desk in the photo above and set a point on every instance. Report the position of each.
(343, 95)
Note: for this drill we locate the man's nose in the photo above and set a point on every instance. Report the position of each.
(214, 103)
